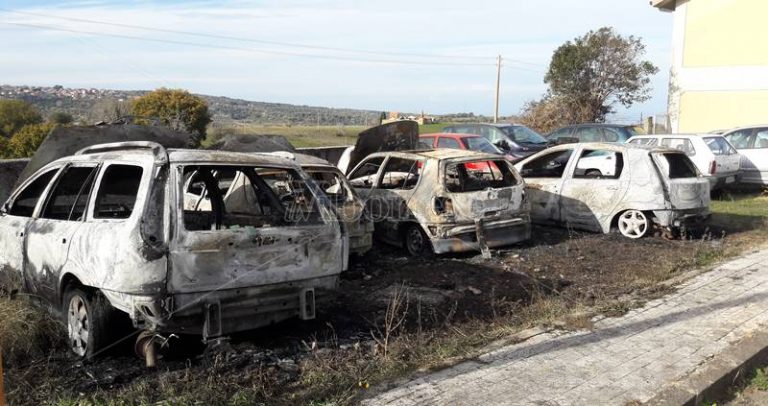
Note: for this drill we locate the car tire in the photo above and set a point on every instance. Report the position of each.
(416, 241)
(634, 224)
(86, 315)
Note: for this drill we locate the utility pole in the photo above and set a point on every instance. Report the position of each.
(498, 79)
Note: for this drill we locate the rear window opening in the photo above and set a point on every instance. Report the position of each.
(677, 166)
(478, 175)
(231, 197)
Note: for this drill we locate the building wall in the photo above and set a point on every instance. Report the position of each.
(719, 73)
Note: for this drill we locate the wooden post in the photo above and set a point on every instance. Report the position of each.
(649, 125)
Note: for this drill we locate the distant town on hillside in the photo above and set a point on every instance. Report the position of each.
(87, 105)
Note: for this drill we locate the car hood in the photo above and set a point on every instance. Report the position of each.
(396, 136)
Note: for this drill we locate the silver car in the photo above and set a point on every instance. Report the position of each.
(112, 229)
(601, 186)
(752, 144)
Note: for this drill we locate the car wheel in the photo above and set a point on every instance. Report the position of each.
(634, 224)
(416, 241)
(87, 316)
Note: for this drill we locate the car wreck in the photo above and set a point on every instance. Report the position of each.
(603, 186)
(440, 201)
(112, 229)
(348, 205)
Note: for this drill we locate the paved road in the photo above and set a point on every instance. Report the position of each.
(631, 358)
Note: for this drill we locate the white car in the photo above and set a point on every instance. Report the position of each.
(182, 241)
(645, 186)
(712, 154)
(752, 144)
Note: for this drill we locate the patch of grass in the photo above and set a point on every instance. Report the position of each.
(26, 331)
(432, 128)
(751, 204)
(299, 136)
(759, 379)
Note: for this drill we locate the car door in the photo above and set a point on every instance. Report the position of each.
(727, 159)
(593, 189)
(544, 181)
(50, 234)
(14, 220)
(745, 141)
(395, 188)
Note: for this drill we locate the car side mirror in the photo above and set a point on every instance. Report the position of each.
(503, 144)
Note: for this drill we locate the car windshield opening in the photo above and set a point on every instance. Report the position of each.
(232, 197)
(478, 175)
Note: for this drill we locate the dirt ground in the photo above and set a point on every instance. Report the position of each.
(442, 296)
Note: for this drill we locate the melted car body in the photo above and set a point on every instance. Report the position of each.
(599, 186)
(443, 200)
(116, 222)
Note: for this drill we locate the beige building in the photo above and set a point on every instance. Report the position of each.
(719, 75)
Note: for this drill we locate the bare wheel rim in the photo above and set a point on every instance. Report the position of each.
(633, 224)
(414, 240)
(78, 325)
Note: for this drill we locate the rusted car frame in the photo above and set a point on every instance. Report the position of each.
(427, 207)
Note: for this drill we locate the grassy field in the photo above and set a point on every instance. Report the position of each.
(307, 136)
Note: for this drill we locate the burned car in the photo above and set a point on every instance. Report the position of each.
(349, 207)
(440, 201)
(602, 186)
(111, 229)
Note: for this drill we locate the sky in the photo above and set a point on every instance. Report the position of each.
(436, 56)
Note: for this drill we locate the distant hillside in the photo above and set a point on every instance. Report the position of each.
(91, 105)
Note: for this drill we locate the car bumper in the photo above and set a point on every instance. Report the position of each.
(222, 312)
(464, 237)
(722, 181)
(681, 218)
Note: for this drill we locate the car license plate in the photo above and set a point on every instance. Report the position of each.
(730, 179)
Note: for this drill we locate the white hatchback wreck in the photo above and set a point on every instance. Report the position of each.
(601, 186)
(116, 227)
(443, 200)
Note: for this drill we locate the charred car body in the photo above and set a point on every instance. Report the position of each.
(111, 228)
(443, 200)
(600, 186)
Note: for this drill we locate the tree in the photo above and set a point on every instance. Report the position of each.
(26, 141)
(15, 114)
(594, 72)
(61, 118)
(176, 108)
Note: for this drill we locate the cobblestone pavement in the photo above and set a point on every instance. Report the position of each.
(625, 359)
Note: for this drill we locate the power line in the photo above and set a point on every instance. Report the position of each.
(259, 41)
(233, 48)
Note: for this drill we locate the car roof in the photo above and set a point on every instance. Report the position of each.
(441, 153)
(451, 135)
(612, 146)
(486, 124)
(597, 125)
(684, 136)
(747, 127)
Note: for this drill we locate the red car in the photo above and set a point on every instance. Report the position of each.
(472, 142)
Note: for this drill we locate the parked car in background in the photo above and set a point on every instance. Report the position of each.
(712, 154)
(594, 132)
(446, 200)
(471, 142)
(752, 144)
(516, 140)
(182, 241)
(349, 207)
(643, 187)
